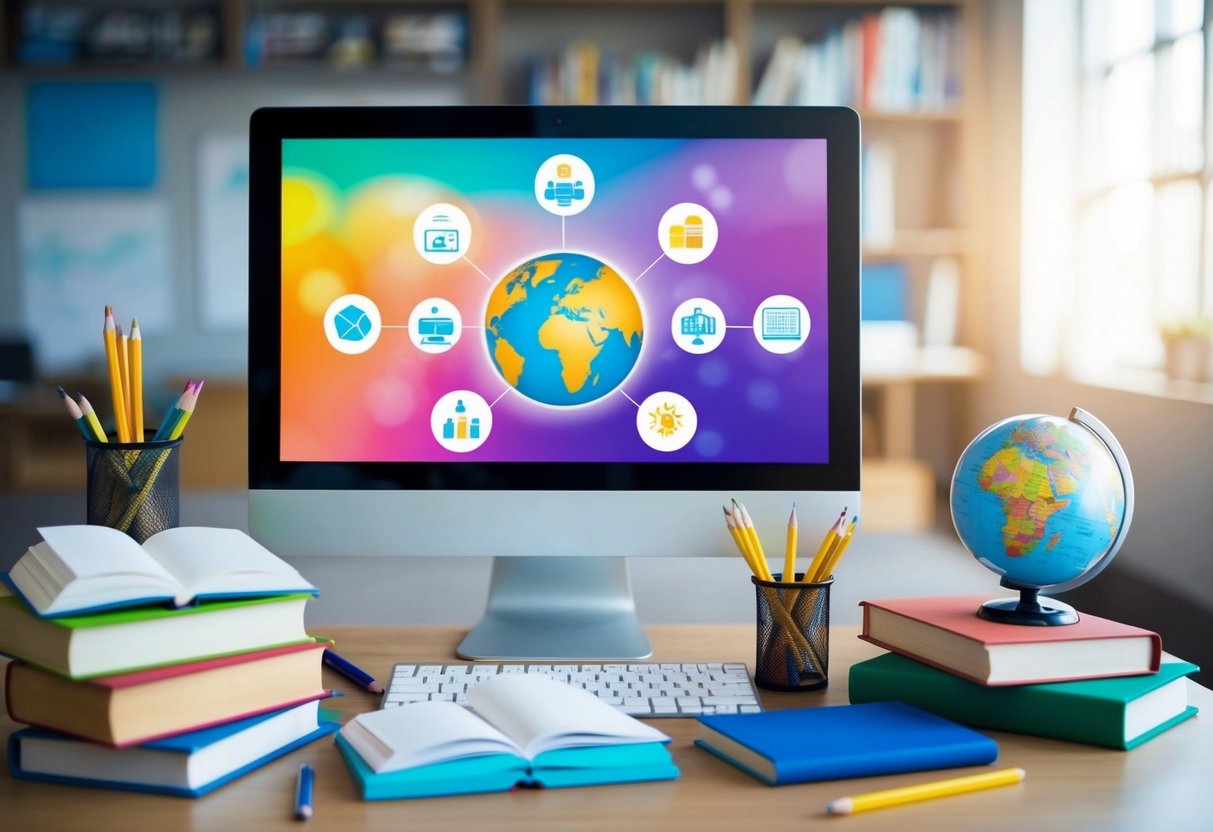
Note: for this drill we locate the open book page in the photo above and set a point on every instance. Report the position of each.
(82, 566)
(542, 714)
(214, 561)
(418, 734)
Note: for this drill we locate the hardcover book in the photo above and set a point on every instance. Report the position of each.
(82, 569)
(947, 633)
(121, 641)
(1119, 712)
(526, 730)
(139, 707)
(186, 765)
(842, 741)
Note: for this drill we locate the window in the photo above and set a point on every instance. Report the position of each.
(1128, 245)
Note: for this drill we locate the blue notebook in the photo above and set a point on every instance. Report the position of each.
(187, 765)
(807, 744)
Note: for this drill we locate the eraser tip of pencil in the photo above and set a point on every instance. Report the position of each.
(375, 687)
(841, 806)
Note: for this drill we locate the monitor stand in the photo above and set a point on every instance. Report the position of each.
(569, 608)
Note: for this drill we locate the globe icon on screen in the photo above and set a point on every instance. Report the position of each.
(1045, 503)
(563, 329)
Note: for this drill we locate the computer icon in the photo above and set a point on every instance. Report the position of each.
(346, 453)
(436, 329)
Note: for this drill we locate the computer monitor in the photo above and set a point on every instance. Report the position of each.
(571, 418)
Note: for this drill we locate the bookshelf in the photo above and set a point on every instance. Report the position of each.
(492, 48)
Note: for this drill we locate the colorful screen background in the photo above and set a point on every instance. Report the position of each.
(348, 212)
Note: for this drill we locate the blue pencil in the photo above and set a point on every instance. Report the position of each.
(352, 672)
(303, 792)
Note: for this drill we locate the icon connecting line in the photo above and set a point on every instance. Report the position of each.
(499, 398)
(660, 257)
(629, 398)
(477, 268)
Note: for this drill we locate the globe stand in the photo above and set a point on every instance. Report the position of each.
(1028, 610)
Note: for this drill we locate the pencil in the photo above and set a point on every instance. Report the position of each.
(91, 415)
(351, 671)
(124, 367)
(742, 544)
(747, 529)
(73, 410)
(187, 409)
(169, 423)
(827, 542)
(789, 554)
(136, 377)
(111, 360)
(925, 791)
(839, 549)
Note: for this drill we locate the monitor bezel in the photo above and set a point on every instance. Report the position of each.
(839, 126)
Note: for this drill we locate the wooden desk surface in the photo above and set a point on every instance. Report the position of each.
(1166, 783)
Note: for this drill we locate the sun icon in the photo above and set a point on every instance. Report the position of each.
(665, 420)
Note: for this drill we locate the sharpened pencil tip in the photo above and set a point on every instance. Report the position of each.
(59, 389)
(375, 687)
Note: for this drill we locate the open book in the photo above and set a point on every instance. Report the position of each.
(79, 569)
(526, 730)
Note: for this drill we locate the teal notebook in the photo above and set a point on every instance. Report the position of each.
(1120, 712)
(842, 741)
(525, 731)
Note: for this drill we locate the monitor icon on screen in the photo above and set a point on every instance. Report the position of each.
(780, 323)
(441, 239)
(436, 330)
(435, 325)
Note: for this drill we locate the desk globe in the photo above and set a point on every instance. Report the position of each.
(1045, 503)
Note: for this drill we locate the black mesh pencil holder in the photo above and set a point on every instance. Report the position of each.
(793, 645)
(134, 487)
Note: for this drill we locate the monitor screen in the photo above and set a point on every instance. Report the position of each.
(555, 300)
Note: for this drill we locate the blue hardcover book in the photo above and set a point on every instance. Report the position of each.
(807, 744)
(187, 765)
(526, 731)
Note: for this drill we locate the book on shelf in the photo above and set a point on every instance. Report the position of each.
(121, 641)
(186, 765)
(82, 569)
(947, 633)
(135, 708)
(832, 743)
(1120, 712)
(526, 730)
(896, 59)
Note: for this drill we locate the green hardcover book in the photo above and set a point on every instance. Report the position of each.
(1121, 712)
(121, 641)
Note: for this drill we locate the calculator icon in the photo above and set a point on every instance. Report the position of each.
(780, 323)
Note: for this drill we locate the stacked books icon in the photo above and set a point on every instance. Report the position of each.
(173, 667)
(1099, 682)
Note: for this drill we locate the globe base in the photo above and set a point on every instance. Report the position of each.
(1029, 609)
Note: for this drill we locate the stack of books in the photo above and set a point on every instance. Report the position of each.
(171, 667)
(1099, 682)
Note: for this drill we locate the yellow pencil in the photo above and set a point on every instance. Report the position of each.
(124, 368)
(136, 377)
(111, 360)
(924, 791)
(836, 552)
(189, 402)
(789, 555)
(826, 543)
(742, 543)
(751, 534)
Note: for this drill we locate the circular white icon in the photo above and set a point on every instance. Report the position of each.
(564, 185)
(666, 421)
(461, 421)
(435, 325)
(687, 233)
(352, 324)
(698, 326)
(442, 233)
(781, 324)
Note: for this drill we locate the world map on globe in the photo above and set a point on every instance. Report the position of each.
(1038, 500)
(563, 329)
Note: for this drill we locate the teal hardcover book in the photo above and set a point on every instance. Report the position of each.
(525, 731)
(1118, 712)
(842, 741)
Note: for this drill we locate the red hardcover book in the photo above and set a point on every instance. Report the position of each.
(947, 633)
(138, 707)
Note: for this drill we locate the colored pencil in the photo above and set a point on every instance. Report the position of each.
(925, 791)
(136, 380)
(839, 549)
(73, 410)
(827, 543)
(187, 410)
(91, 415)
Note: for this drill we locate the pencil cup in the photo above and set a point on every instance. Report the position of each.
(793, 647)
(134, 487)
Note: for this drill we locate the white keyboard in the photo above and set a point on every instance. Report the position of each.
(649, 689)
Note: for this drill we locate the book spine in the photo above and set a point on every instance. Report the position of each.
(1025, 709)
